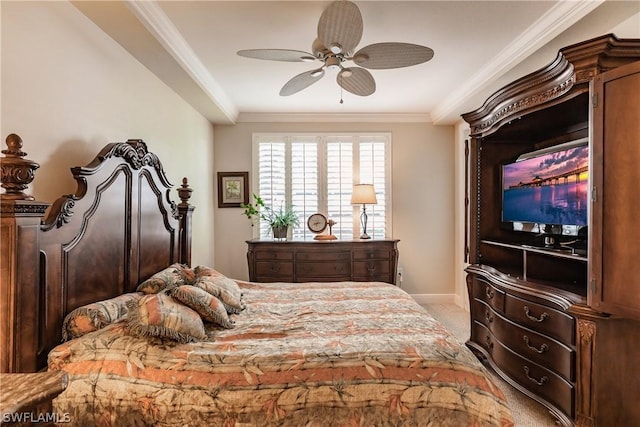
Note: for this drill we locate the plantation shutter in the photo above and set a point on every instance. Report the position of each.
(339, 179)
(272, 173)
(304, 181)
(373, 160)
(316, 173)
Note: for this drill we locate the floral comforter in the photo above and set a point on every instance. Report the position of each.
(307, 354)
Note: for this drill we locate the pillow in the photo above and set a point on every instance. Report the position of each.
(201, 271)
(172, 276)
(97, 315)
(221, 287)
(159, 315)
(209, 307)
(225, 289)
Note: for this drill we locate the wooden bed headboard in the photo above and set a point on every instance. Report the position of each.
(118, 229)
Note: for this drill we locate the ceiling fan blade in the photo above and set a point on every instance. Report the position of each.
(277, 55)
(359, 82)
(301, 81)
(340, 26)
(392, 55)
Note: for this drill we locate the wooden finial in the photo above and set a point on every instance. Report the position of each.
(184, 192)
(17, 172)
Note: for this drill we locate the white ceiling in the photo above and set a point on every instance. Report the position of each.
(192, 45)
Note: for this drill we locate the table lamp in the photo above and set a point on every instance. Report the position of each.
(364, 194)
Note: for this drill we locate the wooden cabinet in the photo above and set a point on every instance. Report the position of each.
(323, 261)
(21, 293)
(557, 322)
(615, 231)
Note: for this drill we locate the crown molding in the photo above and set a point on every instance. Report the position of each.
(556, 20)
(161, 27)
(334, 118)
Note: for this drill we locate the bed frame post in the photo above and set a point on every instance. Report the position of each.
(20, 293)
(185, 211)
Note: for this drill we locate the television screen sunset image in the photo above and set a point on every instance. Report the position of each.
(547, 189)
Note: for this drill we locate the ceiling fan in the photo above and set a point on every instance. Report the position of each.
(339, 32)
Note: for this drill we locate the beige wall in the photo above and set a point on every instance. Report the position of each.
(68, 89)
(423, 198)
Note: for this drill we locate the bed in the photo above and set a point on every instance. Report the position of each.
(291, 354)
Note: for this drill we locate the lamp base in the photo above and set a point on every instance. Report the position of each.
(363, 223)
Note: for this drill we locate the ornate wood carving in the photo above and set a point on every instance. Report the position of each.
(184, 192)
(24, 209)
(17, 172)
(572, 69)
(586, 349)
(184, 214)
(135, 152)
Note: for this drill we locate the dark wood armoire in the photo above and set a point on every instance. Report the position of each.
(558, 316)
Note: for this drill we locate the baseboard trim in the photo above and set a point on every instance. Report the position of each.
(462, 302)
(434, 298)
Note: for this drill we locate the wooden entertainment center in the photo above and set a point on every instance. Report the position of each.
(562, 323)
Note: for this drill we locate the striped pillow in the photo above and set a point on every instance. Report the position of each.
(159, 315)
(172, 276)
(223, 289)
(97, 315)
(209, 307)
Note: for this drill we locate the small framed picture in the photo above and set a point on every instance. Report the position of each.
(233, 189)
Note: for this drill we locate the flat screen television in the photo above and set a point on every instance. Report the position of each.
(546, 191)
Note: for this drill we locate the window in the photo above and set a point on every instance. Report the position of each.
(316, 173)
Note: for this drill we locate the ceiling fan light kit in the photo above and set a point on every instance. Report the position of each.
(339, 32)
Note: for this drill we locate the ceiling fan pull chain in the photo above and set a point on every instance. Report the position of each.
(341, 101)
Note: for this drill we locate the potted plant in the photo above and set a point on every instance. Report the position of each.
(279, 220)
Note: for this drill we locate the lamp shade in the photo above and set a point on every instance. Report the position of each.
(363, 194)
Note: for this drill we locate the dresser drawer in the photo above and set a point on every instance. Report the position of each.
(371, 268)
(323, 269)
(265, 255)
(528, 374)
(541, 349)
(324, 256)
(543, 319)
(274, 271)
(489, 294)
(371, 253)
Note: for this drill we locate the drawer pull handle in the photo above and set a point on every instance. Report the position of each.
(489, 292)
(542, 380)
(371, 268)
(488, 316)
(489, 342)
(542, 348)
(535, 319)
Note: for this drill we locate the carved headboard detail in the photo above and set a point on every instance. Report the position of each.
(116, 230)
